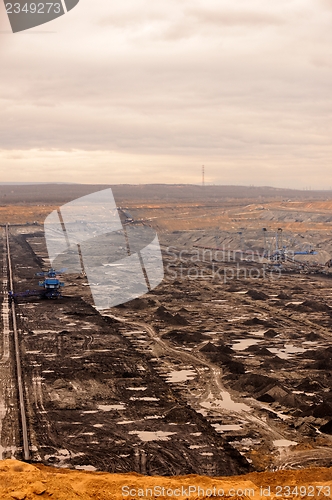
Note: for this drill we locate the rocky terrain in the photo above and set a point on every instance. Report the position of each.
(222, 369)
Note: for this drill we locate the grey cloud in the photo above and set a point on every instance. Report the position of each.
(129, 19)
(227, 17)
(189, 22)
(172, 82)
(326, 3)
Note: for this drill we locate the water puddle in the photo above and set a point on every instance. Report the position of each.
(237, 318)
(120, 406)
(284, 443)
(177, 376)
(89, 468)
(41, 332)
(226, 403)
(153, 436)
(242, 344)
(62, 456)
(258, 333)
(226, 427)
(113, 265)
(287, 351)
(279, 414)
(146, 398)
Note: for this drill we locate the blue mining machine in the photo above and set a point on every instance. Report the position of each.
(283, 253)
(51, 286)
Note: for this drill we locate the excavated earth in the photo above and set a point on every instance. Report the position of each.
(223, 369)
(94, 399)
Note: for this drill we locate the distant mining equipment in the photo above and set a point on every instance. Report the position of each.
(51, 287)
(273, 254)
(282, 257)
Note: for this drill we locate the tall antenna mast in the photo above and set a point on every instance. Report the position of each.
(203, 175)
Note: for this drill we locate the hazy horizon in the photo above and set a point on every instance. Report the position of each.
(36, 183)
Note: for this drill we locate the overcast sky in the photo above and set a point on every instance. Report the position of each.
(139, 91)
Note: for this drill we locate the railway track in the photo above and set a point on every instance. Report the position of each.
(19, 378)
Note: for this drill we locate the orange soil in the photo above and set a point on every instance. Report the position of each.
(18, 214)
(23, 481)
(228, 215)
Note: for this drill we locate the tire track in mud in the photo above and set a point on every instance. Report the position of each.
(213, 386)
(297, 459)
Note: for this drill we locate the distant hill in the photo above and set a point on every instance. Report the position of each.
(62, 193)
